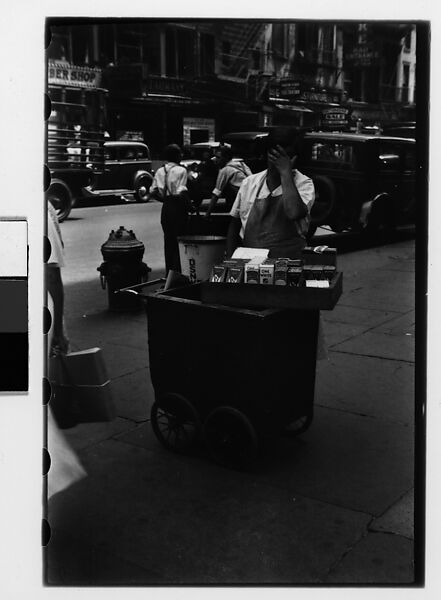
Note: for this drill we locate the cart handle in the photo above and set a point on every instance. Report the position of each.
(133, 288)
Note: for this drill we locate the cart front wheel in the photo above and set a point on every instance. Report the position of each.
(299, 426)
(230, 437)
(175, 422)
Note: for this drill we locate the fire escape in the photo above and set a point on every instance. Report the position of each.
(241, 38)
(236, 40)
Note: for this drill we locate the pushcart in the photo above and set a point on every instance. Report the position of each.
(227, 375)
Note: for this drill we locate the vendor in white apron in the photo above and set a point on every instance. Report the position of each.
(272, 208)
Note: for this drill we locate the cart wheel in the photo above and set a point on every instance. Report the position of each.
(230, 437)
(175, 422)
(298, 426)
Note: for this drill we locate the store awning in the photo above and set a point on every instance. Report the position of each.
(167, 99)
(294, 108)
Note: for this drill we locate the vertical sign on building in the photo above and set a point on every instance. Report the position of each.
(14, 325)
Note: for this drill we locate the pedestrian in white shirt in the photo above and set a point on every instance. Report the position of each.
(232, 171)
(170, 187)
(65, 468)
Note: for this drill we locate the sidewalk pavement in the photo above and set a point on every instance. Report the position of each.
(334, 506)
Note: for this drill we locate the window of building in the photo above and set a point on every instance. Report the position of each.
(226, 53)
(106, 42)
(170, 53)
(406, 77)
(407, 41)
(256, 59)
(207, 54)
(151, 50)
(306, 38)
(128, 46)
(186, 53)
(278, 39)
(59, 48)
(82, 45)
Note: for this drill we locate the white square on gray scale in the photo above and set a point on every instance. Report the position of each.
(13, 247)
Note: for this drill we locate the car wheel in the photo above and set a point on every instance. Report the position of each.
(324, 202)
(60, 198)
(142, 188)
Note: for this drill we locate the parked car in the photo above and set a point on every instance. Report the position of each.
(362, 182)
(401, 129)
(127, 172)
(193, 154)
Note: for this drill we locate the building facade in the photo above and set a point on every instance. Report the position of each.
(187, 82)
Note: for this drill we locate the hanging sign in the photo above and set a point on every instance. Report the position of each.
(62, 73)
(335, 118)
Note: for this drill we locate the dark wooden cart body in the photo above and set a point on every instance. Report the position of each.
(260, 361)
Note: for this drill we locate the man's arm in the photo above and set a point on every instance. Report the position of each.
(213, 202)
(292, 202)
(56, 290)
(216, 193)
(233, 237)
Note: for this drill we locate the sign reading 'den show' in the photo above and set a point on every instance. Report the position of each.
(62, 73)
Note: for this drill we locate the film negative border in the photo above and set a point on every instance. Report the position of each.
(14, 309)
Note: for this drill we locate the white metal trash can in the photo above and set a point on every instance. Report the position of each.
(198, 254)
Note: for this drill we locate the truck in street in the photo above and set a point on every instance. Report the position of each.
(75, 132)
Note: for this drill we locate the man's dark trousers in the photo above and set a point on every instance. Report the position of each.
(174, 219)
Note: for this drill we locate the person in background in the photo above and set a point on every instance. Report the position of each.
(272, 207)
(207, 171)
(59, 344)
(232, 172)
(65, 468)
(170, 187)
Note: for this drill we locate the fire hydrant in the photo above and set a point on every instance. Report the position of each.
(122, 268)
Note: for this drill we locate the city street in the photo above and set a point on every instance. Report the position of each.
(334, 506)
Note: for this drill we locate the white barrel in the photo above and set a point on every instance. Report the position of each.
(198, 254)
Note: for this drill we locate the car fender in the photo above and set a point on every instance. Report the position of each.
(60, 182)
(55, 182)
(367, 208)
(140, 174)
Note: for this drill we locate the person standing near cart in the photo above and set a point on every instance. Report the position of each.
(229, 179)
(272, 208)
(170, 187)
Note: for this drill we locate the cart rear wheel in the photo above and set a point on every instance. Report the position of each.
(299, 426)
(175, 422)
(230, 437)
